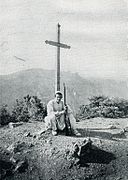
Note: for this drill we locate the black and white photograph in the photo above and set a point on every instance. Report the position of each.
(64, 90)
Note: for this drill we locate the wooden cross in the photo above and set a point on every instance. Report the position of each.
(58, 45)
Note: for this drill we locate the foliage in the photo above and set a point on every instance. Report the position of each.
(20, 111)
(101, 106)
(5, 116)
(29, 107)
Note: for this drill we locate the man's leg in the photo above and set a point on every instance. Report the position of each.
(50, 123)
(61, 123)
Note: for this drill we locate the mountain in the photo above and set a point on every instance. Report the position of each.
(41, 83)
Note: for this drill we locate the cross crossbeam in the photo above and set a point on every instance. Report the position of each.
(53, 43)
(58, 45)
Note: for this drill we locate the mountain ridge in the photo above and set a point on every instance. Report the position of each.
(40, 82)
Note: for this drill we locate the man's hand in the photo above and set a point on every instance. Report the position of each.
(57, 114)
(65, 108)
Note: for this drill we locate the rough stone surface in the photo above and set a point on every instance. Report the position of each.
(66, 157)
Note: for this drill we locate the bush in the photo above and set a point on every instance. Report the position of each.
(5, 116)
(20, 112)
(37, 110)
(101, 106)
(29, 107)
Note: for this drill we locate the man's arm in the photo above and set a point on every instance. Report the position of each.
(50, 109)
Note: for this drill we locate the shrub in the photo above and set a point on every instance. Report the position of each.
(29, 107)
(20, 111)
(101, 106)
(5, 116)
(37, 109)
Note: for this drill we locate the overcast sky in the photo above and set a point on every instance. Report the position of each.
(96, 30)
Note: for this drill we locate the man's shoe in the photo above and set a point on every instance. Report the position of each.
(76, 133)
(54, 133)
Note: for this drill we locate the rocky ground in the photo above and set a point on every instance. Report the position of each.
(101, 153)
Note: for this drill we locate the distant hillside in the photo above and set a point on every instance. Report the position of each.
(41, 83)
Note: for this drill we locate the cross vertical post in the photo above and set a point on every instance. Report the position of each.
(58, 61)
(59, 45)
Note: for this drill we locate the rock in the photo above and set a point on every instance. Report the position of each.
(39, 133)
(75, 150)
(13, 160)
(18, 147)
(31, 145)
(12, 125)
(49, 141)
(84, 141)
(126, 129)
(85, 148)
(119, 178)
(52, 151)
(34, 136)
(119, 135)
(27, 134)
(76, 161)
(11, 148)
(67, 151)
(71, 165)
(112, 127)
(21, 166)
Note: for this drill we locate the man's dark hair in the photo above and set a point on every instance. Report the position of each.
(59, 93)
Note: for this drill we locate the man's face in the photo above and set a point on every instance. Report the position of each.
(58, 98)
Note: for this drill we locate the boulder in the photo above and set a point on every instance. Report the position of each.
(12, 125)
(17, 147)
(21, 166)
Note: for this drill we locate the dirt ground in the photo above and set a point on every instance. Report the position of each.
(49, 157)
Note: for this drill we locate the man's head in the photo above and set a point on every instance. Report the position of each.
(58, 96)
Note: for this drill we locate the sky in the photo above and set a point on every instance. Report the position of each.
(96, 30)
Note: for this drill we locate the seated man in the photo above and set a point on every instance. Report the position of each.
(55, 115)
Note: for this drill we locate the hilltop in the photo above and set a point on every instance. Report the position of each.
(29, 153)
